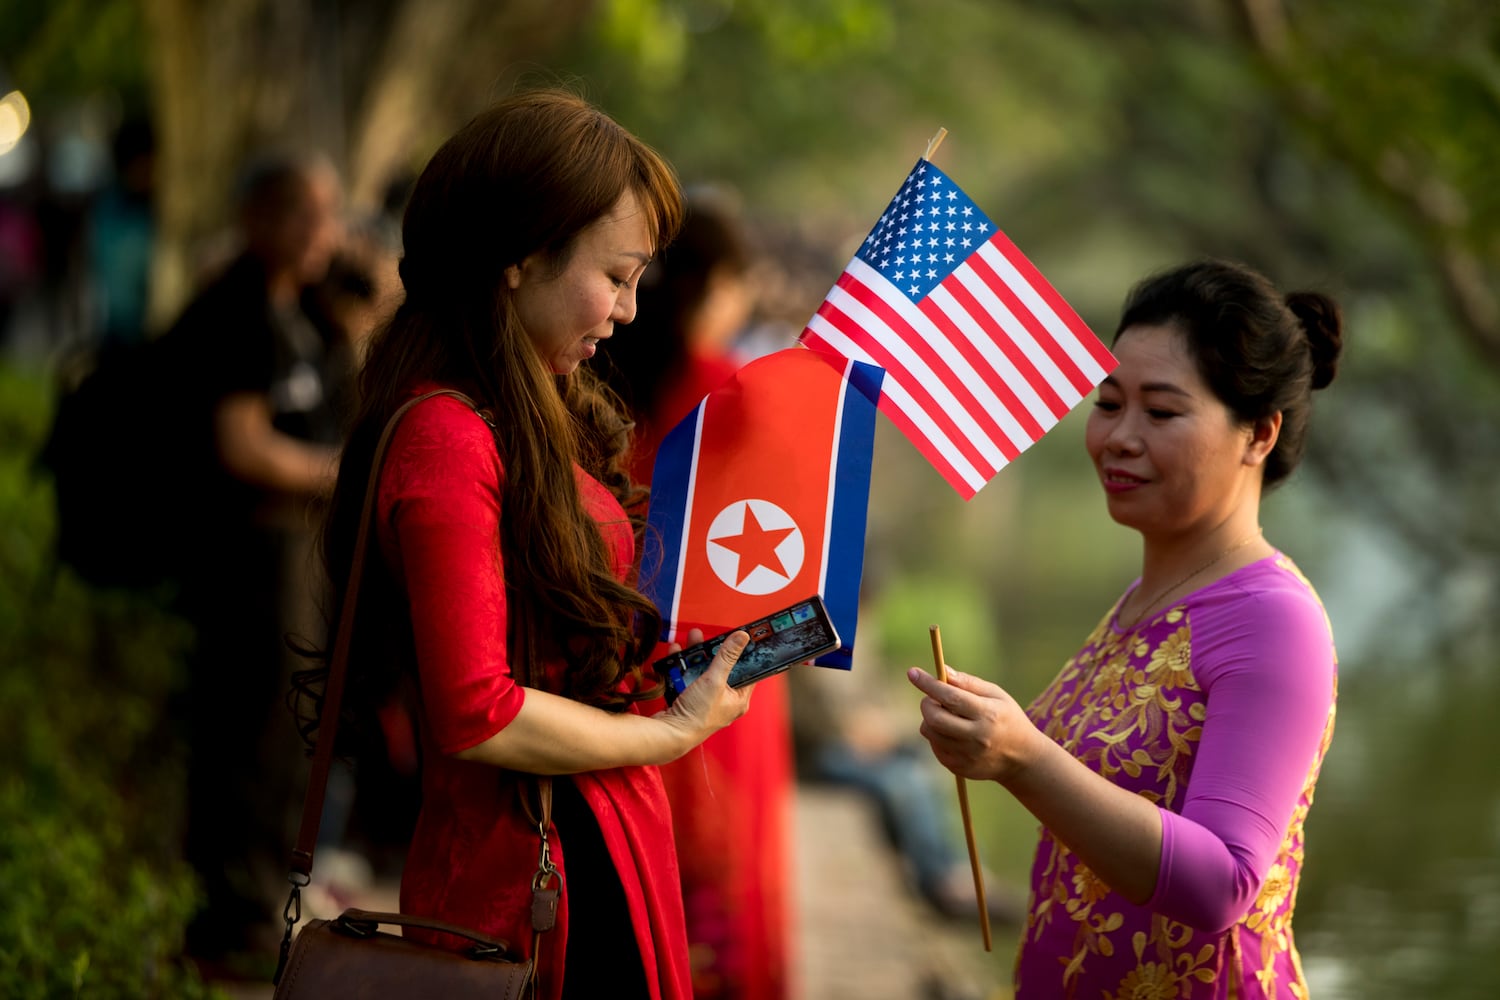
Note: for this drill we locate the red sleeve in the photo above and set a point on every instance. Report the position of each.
(439, 517)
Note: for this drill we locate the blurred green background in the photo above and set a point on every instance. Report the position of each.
(1347, 145)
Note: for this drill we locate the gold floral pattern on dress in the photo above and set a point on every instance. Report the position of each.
(1130, 707)
(1273, 892)
(1170, 664)
(1149, 981)
(1087, 888)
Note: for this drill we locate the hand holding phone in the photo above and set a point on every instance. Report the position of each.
(794, 634)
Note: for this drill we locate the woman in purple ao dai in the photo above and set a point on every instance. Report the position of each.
(1171, 763)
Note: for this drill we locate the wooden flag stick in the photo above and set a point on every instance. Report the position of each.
(941, 666)
(935, 142)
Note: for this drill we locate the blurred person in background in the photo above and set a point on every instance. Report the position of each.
(695, 299)
(21, 260)
(354, 297)
(121, 236)
(1172, 762)
(856, 737)
(732, 797)
(252, 373)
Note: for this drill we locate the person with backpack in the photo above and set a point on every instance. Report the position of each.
(252, 371)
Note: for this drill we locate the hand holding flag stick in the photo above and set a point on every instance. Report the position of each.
(941, 666)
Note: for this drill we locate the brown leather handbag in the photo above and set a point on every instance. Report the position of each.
(350, 956)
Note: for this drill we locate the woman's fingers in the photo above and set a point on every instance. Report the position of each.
(942, 709)
(926, 683)
(967, 721)
(974, 685)
(694, 636)
(726, 657)
(709, 698)
(960, 694)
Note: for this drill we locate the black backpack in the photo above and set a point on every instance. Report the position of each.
(121, 453)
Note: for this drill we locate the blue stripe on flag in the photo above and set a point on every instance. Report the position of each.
(662, 548)
(851, 491)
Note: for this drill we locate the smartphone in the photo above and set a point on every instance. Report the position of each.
(792, 635)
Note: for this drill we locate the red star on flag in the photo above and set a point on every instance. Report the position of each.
(755, 546)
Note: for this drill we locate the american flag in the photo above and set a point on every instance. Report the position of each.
(982, 356)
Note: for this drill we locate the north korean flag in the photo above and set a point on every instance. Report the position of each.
(759, 497)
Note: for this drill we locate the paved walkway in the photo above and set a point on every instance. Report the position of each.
(861, 934)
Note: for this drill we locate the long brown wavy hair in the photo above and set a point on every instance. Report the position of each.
(521, 179)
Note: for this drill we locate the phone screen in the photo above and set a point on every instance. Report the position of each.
(777, 641)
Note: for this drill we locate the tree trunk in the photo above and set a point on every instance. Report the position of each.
(231, 78)
(439, 63)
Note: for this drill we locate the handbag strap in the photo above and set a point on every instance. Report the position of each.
(365, 922)
(333, 692)
(300, 873)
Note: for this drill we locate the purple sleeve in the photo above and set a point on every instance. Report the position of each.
(1266, 664)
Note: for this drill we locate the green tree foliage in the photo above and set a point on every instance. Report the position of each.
(57, 49)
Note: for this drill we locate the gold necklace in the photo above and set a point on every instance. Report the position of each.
(1216, 559)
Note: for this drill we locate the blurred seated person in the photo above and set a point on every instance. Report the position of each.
(849, 736)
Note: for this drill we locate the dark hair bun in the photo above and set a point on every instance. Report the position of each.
(1324, 325)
